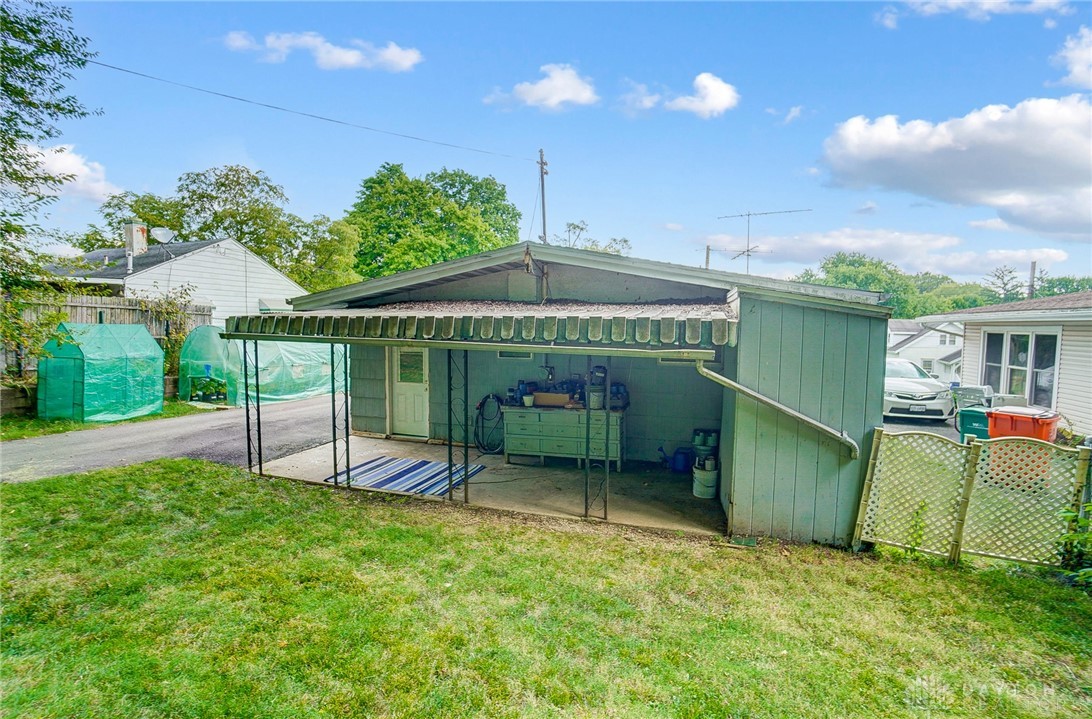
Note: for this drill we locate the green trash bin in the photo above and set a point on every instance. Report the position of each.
(974, 421)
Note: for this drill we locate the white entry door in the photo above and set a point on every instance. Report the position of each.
(409, 392)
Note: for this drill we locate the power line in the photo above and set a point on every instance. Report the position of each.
(311, 115)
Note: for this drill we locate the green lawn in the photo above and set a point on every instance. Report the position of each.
(21, 427)
(187, 589)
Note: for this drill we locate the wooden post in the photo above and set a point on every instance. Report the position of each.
(969, 470)
(877, 437)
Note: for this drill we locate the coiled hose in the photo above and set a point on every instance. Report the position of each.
(488, 425)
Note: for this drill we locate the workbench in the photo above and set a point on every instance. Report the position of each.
(556, 432)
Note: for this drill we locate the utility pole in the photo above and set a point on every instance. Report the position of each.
(749, 250)
(1031, 281)
(542, 172)
(708, 249)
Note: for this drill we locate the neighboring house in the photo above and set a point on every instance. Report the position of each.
(1040, 348)
(222, 273)
(934, 348)
(677, 337)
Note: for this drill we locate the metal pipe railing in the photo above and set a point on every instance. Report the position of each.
(854, 449)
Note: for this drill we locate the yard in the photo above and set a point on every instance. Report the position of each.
(23, 427)
(189, 589)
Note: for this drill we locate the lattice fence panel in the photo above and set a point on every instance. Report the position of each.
(1021, 487)
(916, 490)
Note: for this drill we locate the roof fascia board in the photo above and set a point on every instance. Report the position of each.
(1080, 314)
(821, 302)
(715, 279)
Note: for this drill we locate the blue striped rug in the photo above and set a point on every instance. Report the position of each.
(413, 476)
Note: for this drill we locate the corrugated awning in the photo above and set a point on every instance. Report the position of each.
(563, 323)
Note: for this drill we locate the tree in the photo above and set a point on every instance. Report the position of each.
(858, 271)
(152, 210)
(575, 236)
(484, 193)
(1004, 283)
(326, 255)
(405, 222)
(1050, 286)
(39, 53)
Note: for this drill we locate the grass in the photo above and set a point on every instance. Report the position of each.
(22, 427)
(182, 588)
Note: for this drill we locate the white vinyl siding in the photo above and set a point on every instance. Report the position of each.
(224, 275)
(1075, 377)
(1073, 390)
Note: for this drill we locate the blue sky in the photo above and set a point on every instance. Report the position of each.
(949, 136)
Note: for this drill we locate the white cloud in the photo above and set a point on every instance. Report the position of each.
(888, 17)
(638, 99)
(278, 46)
(88, 177)
(983, 9)
(240, 40)
(1050, 23)
(562, 86)
(1031, 163)
(793, 114)
(994, 223)
(673, 227)
(711, 98)
(909, 251)
(1076, 56)
(868, 208)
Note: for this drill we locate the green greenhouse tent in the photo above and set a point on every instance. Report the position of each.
(211, 365)
(100, 373)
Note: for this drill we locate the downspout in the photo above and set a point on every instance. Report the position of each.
(854, 449)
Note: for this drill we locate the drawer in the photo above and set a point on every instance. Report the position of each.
(598, 419)
(521, 417)
(557, 417)
(533, 429)
(520, 445)
(562, 446)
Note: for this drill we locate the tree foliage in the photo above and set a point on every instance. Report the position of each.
(1004, 283)
(326, 255)
(576, 236)
(38, 54)
(405, 222)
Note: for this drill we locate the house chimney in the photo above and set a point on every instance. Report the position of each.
(136, 238)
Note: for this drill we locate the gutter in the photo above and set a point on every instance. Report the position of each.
(854, 449)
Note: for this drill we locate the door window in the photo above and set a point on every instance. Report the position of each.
(411, 367)
(1021, 363)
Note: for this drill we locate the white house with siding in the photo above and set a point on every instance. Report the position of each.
(1040, 348)
(935, 348)
(222, 273)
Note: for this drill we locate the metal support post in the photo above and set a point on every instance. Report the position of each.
(340, 444)
(466, 428)
(450, 436)
(250, 370)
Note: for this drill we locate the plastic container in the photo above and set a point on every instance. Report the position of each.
(682, 460)
(973, 421)
(1034, 422)
(705, 483)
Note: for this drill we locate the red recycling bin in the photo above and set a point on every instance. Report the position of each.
(1034, 422)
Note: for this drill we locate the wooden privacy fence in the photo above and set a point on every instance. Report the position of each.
(91, 309)
(999, 498)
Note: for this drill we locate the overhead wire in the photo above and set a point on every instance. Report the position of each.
(311, 115)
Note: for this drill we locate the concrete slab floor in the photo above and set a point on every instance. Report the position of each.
(642, 495)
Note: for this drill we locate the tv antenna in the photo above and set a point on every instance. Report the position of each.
(749, 249)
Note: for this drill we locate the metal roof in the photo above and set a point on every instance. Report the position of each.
(524, 254)
(574, 324)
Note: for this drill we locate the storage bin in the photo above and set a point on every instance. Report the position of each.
(973, 421)
(1034, 422)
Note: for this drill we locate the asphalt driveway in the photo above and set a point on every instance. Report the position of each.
(220, 436)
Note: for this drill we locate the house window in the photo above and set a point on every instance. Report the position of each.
(1022, 363)
(943, 339)
(927, 365)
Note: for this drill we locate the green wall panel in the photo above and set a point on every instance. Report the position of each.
(787, 479)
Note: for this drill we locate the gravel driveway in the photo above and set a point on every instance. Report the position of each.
(220, 436)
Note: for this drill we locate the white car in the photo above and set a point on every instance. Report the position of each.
(910, 391)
